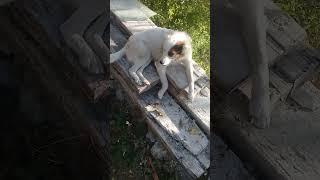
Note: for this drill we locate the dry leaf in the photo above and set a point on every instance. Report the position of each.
(193, 131)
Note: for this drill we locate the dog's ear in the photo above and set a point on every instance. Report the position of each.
(176, 49)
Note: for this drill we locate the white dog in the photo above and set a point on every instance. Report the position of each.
(164, 46)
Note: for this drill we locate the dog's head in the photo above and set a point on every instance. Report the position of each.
(177, 46)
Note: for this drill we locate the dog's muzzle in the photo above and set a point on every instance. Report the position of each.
(165, 61)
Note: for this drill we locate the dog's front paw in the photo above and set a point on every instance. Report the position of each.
(260, 113)
(146, 82)
(191, 97)
(160, 94)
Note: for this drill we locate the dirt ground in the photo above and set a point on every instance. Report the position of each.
(130, 149)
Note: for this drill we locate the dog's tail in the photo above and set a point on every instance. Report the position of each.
(117, 55)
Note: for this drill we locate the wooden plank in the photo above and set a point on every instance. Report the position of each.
(289, 72)
(246, 88)
(280, 85)
(93, 36)
(204, 158)
(46, 24)
(274, 50)
(191, 164)
(82, 17)
(138, 26)
(225, 164)
(295, 65)
(279, 89)
(298, 66)
(181, 154)
(275, 81)
(75, 28)
(87, 58)
(131, 10)
(283, 28)
(307, 96)
(175, 121)
(199, 108)
(286, 150)
(130, 17)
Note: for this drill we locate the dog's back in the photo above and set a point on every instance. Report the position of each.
(153, 39)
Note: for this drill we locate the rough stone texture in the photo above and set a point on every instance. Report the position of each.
(307, 96)
(225, 165)
(286, 150)
(150, 137)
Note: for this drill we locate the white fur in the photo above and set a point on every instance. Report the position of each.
(155, 43)
(254, 33)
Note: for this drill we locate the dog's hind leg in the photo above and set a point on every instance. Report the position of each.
(138, 54)
(140, 60)
(133, 71)
(139, 72)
